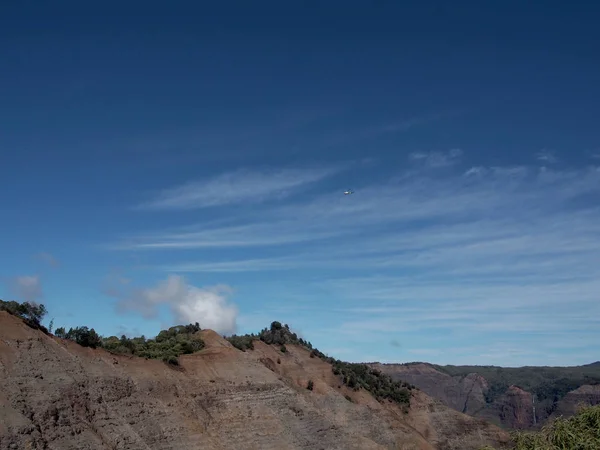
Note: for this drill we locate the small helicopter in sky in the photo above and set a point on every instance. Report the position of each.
(348, 192)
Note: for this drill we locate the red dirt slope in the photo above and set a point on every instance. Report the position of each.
(57, 395)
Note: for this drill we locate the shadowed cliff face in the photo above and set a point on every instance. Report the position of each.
(466, 395)
(585, 395)
(57, 395)
(514, 408)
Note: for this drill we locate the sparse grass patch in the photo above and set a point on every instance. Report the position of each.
(580, 432)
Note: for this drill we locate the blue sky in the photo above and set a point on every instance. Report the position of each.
(163, 164)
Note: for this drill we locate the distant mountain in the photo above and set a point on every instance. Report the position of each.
(515, 398)
(594, 364)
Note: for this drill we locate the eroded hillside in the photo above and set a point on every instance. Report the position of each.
(56, 395)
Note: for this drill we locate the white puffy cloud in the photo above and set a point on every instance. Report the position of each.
(48, 259)
(27, 287)
(208, 306)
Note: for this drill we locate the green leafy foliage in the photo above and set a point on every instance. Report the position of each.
(380, 385)
(60, 332)
(167, 345)
(83, 336)
(280, 335)
(32, 314)
(244, 342)
(580, 432)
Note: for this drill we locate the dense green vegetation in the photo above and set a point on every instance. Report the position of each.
(547, 383)
(279, 334)
(580, 432)
(354, 375)
(31, 313)
(167, 345)
(243, 343)
(381, 386)
(82, 335)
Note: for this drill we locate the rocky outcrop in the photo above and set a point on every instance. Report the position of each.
(582, 396)
(56, 395)
(464, 394)
(514, 408)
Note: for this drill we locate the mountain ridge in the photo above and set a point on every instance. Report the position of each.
(514, 398)
(60, 395)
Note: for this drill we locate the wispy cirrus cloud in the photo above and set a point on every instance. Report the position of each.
(242, 265)
(472, 254)
(547, 156)
(390, 127)
(500, 210)
(248, 235)
(399, 126)
(239, 186)
(459, 319)
(436, 158)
